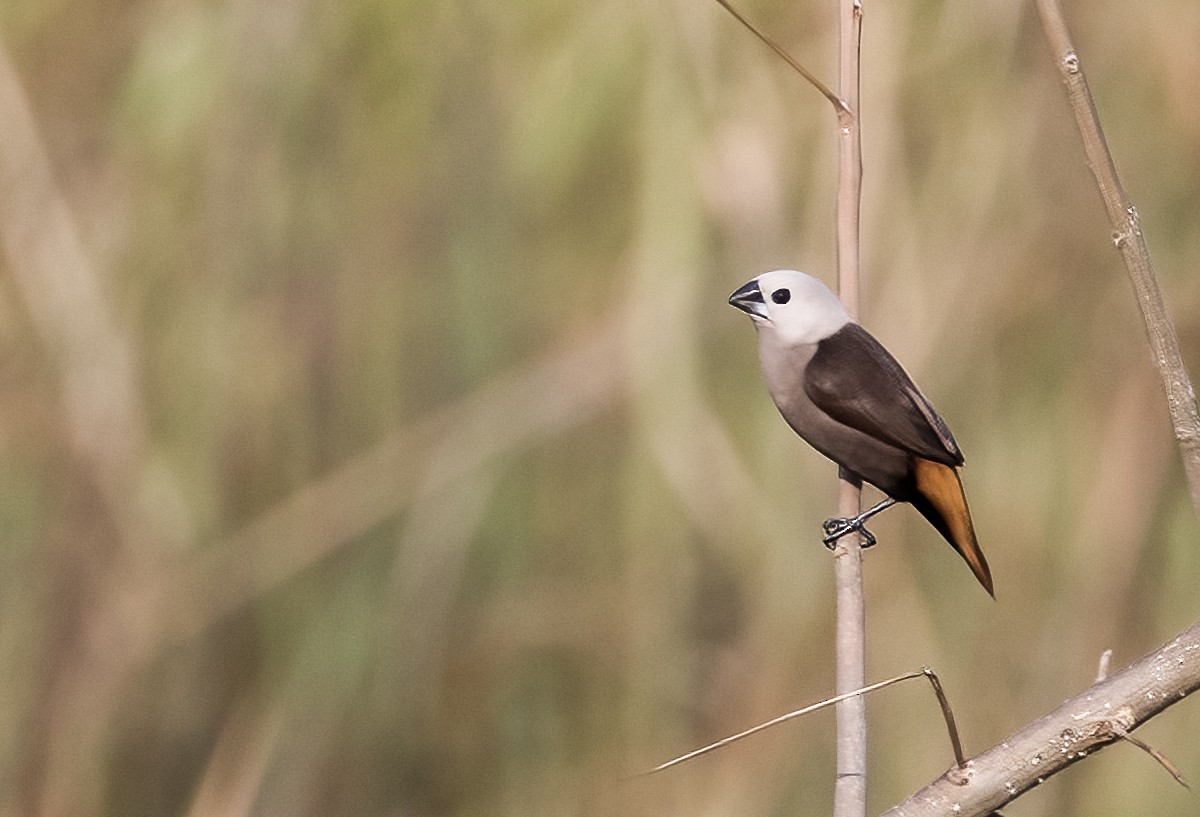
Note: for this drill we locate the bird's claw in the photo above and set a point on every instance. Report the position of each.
(837, 528)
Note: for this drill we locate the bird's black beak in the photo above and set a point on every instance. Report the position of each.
(749, 298)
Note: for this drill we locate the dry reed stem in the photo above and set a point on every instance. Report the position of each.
(781, 719)
(924, 672)
(1128, 236)
(1115, 705)
(850, 783)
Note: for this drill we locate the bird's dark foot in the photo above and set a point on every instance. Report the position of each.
(837, 528)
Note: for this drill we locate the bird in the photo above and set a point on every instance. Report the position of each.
(845, 395)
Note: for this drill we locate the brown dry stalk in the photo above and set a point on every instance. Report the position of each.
(1114, 706)
(850, 786)
(1104, 713)
(1129, 239)
(925, 672)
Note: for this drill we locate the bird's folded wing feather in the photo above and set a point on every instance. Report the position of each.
(857, 382)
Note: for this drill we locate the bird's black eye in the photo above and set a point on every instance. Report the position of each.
(781, 296)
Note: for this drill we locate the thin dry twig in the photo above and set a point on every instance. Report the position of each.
(1081, 726)
(1154, 753)
(947, 713)
(838, 103)
(925, 672)
(1114, 706)
(754, 730)
(1129, 239)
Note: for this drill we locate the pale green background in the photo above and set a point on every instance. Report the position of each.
(413, 464)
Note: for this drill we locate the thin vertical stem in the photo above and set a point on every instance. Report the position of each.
(850, 787)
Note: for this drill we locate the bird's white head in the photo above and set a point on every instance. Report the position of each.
(796, 307)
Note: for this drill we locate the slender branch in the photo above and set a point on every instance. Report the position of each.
(850, 785)
(924, 672)
(1101, 674)
(754, 730)
(1100, 715)
(1115, 705)
(947, 713)
(1128, 237)
(1157, 755)
(839, 105)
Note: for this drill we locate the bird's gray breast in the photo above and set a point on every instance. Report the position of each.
(784, 368)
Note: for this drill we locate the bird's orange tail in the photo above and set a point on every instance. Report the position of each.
(944, 503)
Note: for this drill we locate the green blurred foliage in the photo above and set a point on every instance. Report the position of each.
(446, 483)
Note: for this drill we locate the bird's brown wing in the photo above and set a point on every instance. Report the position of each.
(854, 380)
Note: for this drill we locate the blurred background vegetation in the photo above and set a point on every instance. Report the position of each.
(375, 438)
